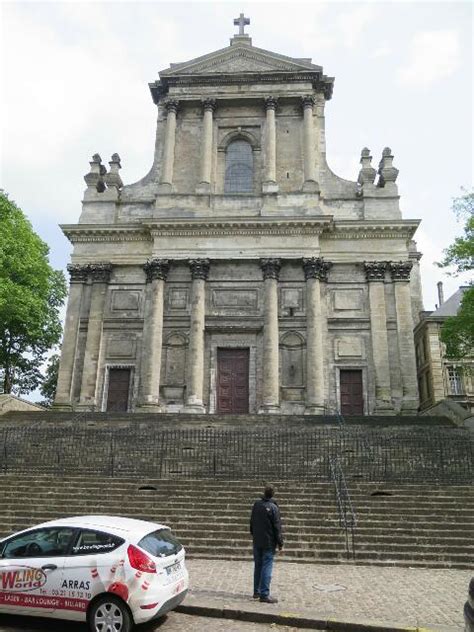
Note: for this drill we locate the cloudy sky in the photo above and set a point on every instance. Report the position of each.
(74, 82)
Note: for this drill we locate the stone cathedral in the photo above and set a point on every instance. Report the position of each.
(241, 275)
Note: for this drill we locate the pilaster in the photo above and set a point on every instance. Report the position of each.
(270, 184)
(100, 274)
(310, 181)
(79, 275)
(271, 370)
(167, 167)
(195, 369)
(400, 274)
(375, 275)
(156, 274)
(209, 106)
(316, 270)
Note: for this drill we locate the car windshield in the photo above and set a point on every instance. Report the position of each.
(160, 543)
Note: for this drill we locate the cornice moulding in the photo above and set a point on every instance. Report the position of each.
(77, 233)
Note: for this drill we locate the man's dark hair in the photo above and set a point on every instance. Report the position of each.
(268, 491)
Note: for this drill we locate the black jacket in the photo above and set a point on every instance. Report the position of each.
(265, 524)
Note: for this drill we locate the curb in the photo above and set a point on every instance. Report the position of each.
(291, 619)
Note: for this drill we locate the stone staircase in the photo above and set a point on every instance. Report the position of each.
(403, 525)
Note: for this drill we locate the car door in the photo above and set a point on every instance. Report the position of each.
(94, 564)
(31, 567)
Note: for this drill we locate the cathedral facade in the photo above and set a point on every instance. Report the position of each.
(241, 275)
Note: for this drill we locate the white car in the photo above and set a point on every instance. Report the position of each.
(109, 571)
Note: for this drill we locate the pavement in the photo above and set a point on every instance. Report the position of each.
(342, 597)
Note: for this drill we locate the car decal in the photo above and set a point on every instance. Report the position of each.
(26, 600)
(21, 579)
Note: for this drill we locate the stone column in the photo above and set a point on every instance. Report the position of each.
(156, 273)
(310, 180)
(375, 275)
(195, 366)
(209, 106)
(79, 275)
(315, 271)
(400, 273)
(269, 184)
(167, 166)
(271, 369)
(100, 273)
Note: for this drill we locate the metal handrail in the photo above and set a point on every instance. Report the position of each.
(347, 515)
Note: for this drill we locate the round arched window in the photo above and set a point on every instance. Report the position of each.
(239, 167)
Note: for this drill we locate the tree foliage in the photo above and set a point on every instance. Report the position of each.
(31, 295)
(458, 331)
(48, 387)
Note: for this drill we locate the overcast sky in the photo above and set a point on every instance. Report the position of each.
(75, 81)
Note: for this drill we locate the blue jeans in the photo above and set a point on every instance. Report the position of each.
(262, 575)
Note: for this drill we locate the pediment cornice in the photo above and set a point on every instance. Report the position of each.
(382, 229)
(241, 64)
(83, 233)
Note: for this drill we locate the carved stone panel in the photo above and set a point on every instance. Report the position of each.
(234, 299)
(349, 347)
(177, 298)
(347, 300)
(291, 299)
(125, 301)
(121, 346)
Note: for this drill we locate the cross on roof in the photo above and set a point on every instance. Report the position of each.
(241, 22)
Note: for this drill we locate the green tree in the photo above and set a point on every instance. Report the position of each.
(48, 387)
(458, 331)
(31, 295)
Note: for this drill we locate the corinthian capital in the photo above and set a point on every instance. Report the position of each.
(271, 103)
(156, 269)
(400, 270)
(172, 105)
(100, 272)
(308, 101)
(78, 273)
(209, 105)
(375, 270)
(199, 268)
(316, 268)
(270, 268)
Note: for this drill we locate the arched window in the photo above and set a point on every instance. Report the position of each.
(239, 167)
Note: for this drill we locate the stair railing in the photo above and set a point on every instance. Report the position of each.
(347, 515)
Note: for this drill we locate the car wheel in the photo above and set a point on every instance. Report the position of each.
(109, 614)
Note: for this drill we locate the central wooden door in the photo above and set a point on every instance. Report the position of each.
(119, 387)
(232, 381)
(352, 400)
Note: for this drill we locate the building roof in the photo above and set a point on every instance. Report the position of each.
(451, 306)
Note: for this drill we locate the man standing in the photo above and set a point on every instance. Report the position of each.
(265, 527)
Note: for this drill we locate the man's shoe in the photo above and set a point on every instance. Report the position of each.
(268, 599)
(256, 595)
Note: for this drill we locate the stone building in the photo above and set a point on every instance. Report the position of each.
(441, 378)
(241, 274)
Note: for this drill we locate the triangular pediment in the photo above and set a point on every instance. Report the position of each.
(241, 58)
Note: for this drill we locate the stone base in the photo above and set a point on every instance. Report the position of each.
(165, 187)
(383, 408)
(194, 408)
(310, 186)
(269, 187)
(86, 408)
(409, 407)
(149, 408)
(269, 409)
(314, 410)
(60, 407)
(203, 188)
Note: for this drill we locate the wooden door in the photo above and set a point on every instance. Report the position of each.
(352, 400)
(232, 381)
(119, 387)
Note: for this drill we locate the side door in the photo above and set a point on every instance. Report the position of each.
(95, 564)
(31, 567)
